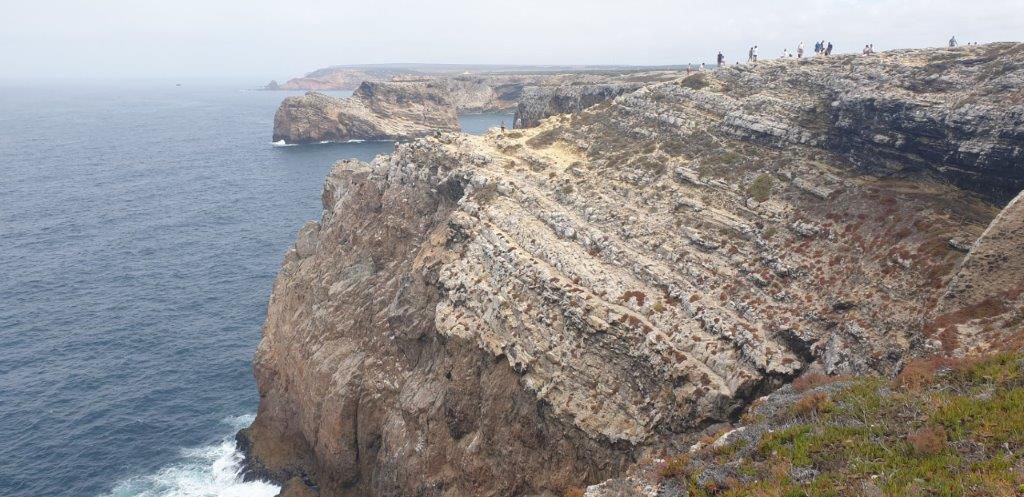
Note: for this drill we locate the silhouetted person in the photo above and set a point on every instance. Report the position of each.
(952, 42)
(721, 59)
(800, 50)
(503, 127)
(828, 49)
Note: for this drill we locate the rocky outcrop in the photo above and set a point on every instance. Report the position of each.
(376, 111)
(539, 102)
(517, 313)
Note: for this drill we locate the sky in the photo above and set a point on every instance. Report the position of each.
(259, 40)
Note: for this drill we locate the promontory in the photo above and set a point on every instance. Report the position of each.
(742, 280)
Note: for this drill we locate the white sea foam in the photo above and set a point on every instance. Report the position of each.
(211, 471)
(281, 143)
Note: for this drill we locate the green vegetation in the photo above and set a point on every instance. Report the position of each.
(761, 188)
(944, 427)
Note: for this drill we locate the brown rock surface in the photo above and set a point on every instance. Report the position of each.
(983, 308)
(516, 313)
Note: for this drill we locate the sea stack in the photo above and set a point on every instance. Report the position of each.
(375, 111)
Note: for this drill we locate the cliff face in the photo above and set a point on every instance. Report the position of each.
(538, 103)
(516, 313)
(375, 111)
(361, 391)
(953, 113)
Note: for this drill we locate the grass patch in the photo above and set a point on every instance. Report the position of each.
(956, 430)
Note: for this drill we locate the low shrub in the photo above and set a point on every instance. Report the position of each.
(928, 440)
(761, 188)
(812, 404)
(674, 467)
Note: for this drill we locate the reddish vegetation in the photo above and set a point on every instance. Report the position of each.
(574, 492)
(814, 403)
(928, 440)
(919, 373)
(640, 297)
(944, 327)
(814, 380)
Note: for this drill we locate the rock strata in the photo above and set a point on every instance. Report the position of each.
(539, 102)
(375, 111)
(518, 313)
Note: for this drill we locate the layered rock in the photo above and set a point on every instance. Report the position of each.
(952, 113)
(540, 102)
(375, 111)
(516, 313)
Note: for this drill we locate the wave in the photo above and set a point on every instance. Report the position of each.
(210, 471)
(282, 143)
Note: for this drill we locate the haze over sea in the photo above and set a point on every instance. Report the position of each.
(141, 226)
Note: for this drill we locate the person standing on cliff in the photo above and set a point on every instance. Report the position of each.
(750, 54)
(503, 127)
(828, 49)
(754, 53)
(952, 42)
(800, 50)
(721, 59)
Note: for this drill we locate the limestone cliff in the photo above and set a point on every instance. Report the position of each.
(516, 313)
(375, 111)
(540, 102)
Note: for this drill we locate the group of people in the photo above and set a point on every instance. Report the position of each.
(822, 48)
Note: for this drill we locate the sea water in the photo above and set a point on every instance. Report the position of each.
(141, 226)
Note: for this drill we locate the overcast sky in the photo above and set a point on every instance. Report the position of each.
(261, 39)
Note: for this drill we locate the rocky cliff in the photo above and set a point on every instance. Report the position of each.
(342, 78)
(518, 313)
(484, 92)
(375, 111)
(540, 102)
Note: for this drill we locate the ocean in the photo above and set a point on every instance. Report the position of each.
(141, 227)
